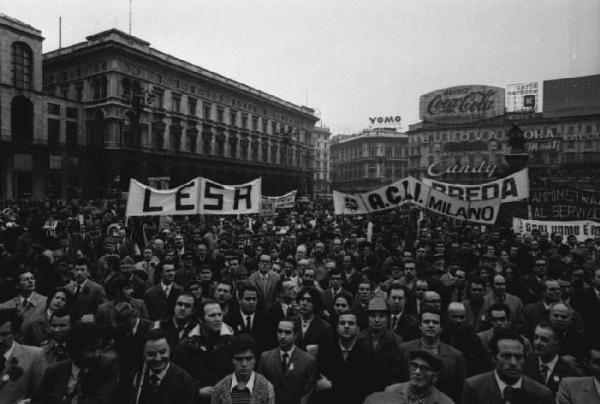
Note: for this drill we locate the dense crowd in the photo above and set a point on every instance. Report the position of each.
(304, 307)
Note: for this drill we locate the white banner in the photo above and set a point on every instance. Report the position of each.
(582, 229)
(283, 201)
(514, 187)
(411, 190)
(197, 196)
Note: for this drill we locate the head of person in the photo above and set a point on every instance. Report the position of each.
(460, 278)
(551, 291)
(167, 273)
(157, 352)
(335, 279)
(421, 286)
(81, 271)
(309, 301)
(26, 282)
(243, 356)
(540, 268)
(410, 269)
(546, 341)
(347, 326)
(508, 351)
(206, 274)
(264, 263)
(194, 287)
(499, 285)
(430, 324)
(396, 298)
(364, 291)
(432, 299)
(347, 263)
(148, 253)
(223, 292)
(308, 276)
(499, 315)
(59, 299)
(10, 323)
(423, 369)
(184, 307)
(127, 266)
(125, 317)
(211, 316)
(342, 303)
(240, 275)
(84, 344)
(457, 314)
(248, 299)
(60, 325)
(288, 330)
(560, 316)
(476, 290)
(201, 250)
(301, 252)
(377, 312)
(287, 290)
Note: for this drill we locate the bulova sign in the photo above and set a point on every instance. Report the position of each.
(462, 104)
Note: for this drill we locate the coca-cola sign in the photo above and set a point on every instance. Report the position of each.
(462, 104)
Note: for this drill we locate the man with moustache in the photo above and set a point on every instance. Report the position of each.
(160, 381)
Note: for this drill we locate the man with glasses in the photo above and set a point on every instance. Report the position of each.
(265, 281)
(423, 369)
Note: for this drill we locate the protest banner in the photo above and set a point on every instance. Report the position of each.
(411, 190)
(564, 203)
(197, 196)
(581, 229)
(514, 187)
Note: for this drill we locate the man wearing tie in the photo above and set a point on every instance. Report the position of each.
(160, 381)
(250, 321)
(292, 371)
(87, 294)
(265, 281)
(160, 299)
(506, 384)
(29, 304)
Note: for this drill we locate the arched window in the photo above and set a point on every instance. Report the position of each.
(21, 118)
(22, 65)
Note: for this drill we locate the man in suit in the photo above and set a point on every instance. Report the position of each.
(453, 370)
(160, 298)
(587, 303)
(423, 368)
(335, 287)
(249, 320)
(582, 390)
(474, 304)
(88, 375)
(315, 334)
(29, 304)
(499, 295)
(160, 381)
(342, 367)
(181, 323)
(402, 323)
(138, 285)
(506, 383)
(544, 365)
(535, 313)
(265, 281)
(22, 365)
(55, 347)
(87, 294)
(292, 371)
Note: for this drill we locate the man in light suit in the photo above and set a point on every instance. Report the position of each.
(506, 383)
(29, 304)
(582, 390)
(24, 365)
(545, 366)
(87, 294)
(292, 371)
(499, 295)
(265, 281)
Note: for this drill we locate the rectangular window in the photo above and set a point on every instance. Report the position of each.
(206, 145)
(71, 113)
(159, 97)
(71, 136)
(53, 109)
(232, 118)
(79, 91)
(206, 109)
(264, 126)
(244, 121)
(176, 102)
(220, 115)
(273, 127)
(192, 103)
(53, 133)
(255, 124)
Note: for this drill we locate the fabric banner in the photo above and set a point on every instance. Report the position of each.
(197, 196)
(283, 201)
(512, 188)
(411, 190)
(582, 229)
(564, 203)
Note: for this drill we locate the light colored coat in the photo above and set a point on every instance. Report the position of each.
(32, 360)
(577, 390)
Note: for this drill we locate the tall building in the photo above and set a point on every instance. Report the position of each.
(368, 160)
(322, 180)
(83, 120)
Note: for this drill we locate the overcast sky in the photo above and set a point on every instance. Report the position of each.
(351, 59)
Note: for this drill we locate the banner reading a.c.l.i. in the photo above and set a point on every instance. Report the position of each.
(197, 196)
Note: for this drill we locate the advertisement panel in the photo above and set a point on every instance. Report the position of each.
(524, 97)
(564, 203)
(572, 97)
(462, 104)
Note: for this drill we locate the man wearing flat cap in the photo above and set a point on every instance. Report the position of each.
(423, 368)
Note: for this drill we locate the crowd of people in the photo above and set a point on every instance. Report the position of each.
(304, 307)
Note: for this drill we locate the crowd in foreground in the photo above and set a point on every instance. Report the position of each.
(304, 307)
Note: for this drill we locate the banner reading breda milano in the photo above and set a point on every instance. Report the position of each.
(411, 190)
(197, 196)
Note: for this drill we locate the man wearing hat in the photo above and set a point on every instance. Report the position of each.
(381, 345)
(423, 368)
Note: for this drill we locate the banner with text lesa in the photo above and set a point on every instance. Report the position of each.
(582, 229)
(197, 196)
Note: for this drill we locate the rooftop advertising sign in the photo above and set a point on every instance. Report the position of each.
(524, 97)
(462, 104)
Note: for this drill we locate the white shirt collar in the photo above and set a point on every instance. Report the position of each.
(502, 385)
(290, 352)
(9, 353)
(249, 384)
(162, 373)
